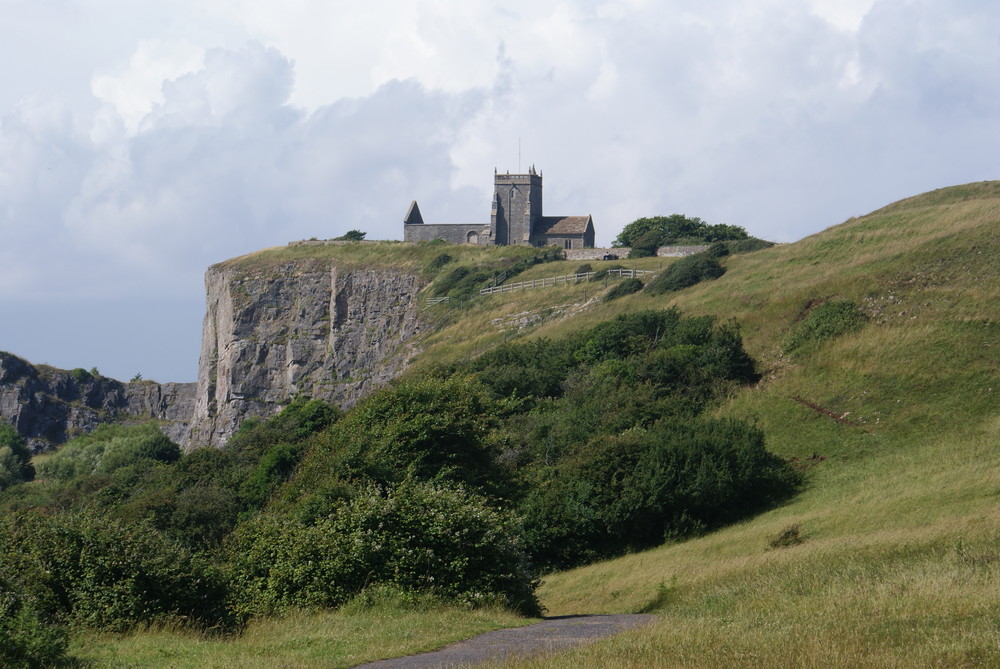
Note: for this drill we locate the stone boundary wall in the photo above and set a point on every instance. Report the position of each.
(622, 252)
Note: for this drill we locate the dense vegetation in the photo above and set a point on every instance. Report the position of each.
(609, 442)
(15, 458)
(466, 482)
(645, 235)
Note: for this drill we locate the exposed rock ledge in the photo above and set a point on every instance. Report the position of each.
(47, 405)
(298, 327)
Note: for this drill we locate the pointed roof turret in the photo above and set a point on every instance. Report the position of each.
(413, 216)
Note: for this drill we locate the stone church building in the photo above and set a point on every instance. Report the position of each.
(516, 219)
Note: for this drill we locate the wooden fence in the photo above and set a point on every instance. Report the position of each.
(556, 280)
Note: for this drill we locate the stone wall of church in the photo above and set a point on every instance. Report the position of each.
(453, 233)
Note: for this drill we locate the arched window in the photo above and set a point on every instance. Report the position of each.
(472, 237)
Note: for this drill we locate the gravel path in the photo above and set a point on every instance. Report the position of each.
(548, 635)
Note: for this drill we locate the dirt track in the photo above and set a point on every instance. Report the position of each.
(548, 635)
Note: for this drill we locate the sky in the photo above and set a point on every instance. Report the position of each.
(142, 141)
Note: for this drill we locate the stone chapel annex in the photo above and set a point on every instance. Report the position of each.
(516, 219)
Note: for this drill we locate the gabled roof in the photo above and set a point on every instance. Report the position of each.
(565, 225)
(413, 216)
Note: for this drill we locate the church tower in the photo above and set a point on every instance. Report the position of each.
(517, 208)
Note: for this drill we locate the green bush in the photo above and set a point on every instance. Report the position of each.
(826, 321)
(424, 428)
(107, 574)
(439, 261)
(417, 536)
(626, 287)
(686, 272)
(301, 418)
(26, 639)
(203, 515)
(636, 489)
(80, 375)
(15, 458)
(717, 250)
(110, 447)
(584, 412)
(532, 369)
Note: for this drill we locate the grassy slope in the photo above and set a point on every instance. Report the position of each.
(359, 632)
(901, 557)
(901, 560)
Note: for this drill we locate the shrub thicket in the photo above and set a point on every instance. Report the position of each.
(439, 261)
(426, 429)
(110, 447)
(111, 575)
(15, 458)
(826, 321)
(686, 272)
(27, 639)
(610, 448)
(626, 287)
(638, 488)
(417, 536)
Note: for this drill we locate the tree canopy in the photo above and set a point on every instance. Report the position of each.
(676, 228)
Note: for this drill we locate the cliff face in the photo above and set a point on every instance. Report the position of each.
(301, 327)
(47, 406)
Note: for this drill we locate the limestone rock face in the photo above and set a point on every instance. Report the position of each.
(299, 327)
(48, 406)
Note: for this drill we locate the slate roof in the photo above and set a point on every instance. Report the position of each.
(413, 216)
(565, 225)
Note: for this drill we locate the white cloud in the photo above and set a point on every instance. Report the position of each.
(134, 90)
(843, 14)
(158, 146)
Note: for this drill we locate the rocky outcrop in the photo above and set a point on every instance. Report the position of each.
(47, 406)
(274, 331)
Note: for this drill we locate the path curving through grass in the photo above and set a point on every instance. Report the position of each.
(519, 642)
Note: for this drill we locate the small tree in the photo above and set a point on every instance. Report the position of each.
(351, 236)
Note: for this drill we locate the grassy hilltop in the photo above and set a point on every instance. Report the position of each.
(899, 553)
(876, 343)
